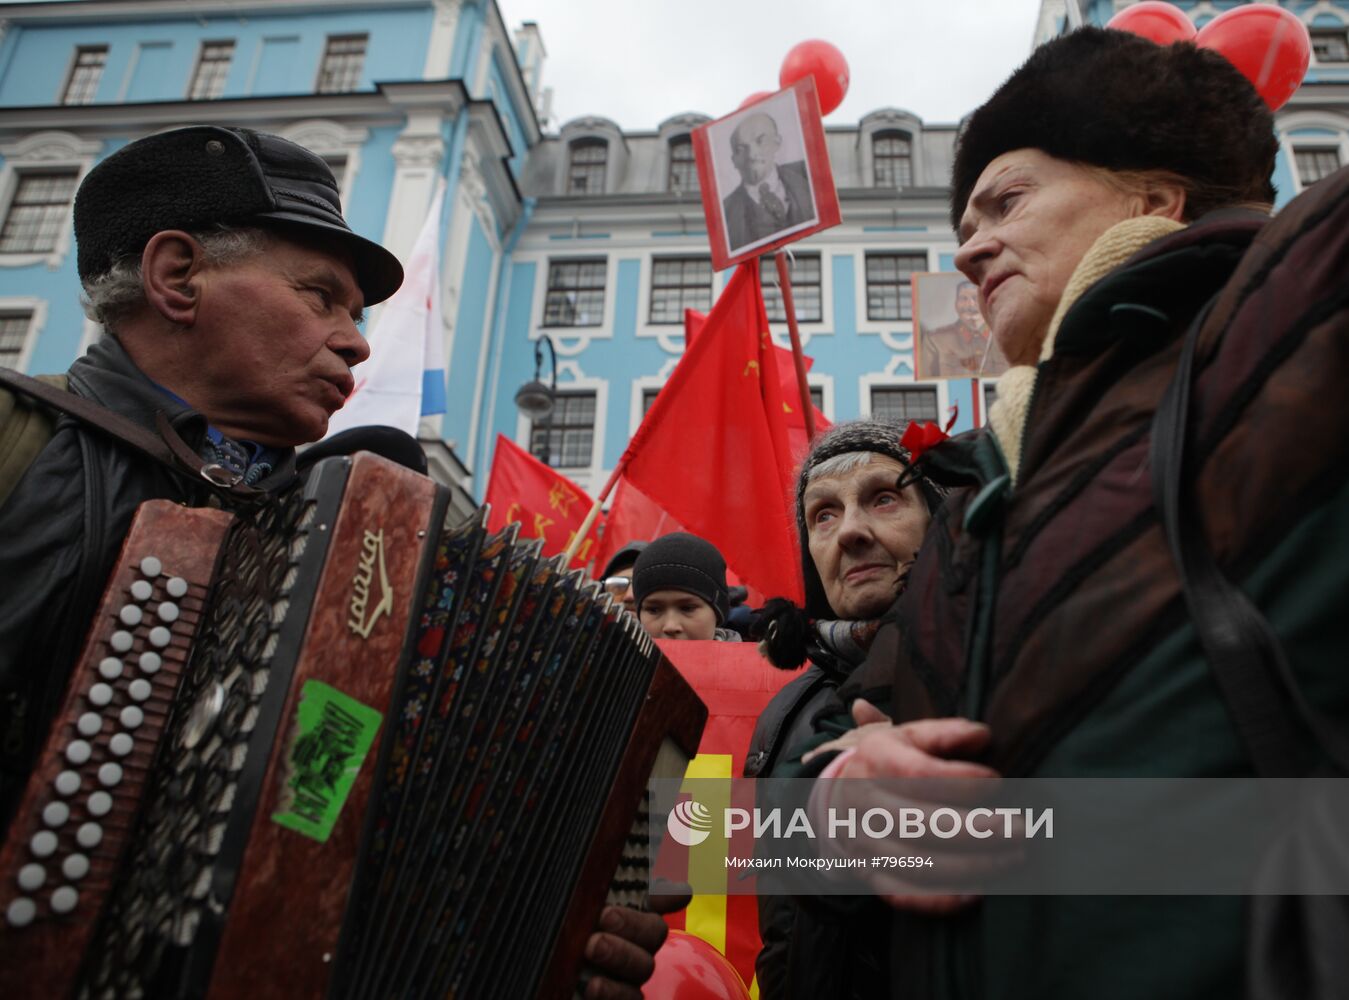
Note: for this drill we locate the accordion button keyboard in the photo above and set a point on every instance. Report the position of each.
(75, 867)
(110, 775)
(150, 662)
(100, 804)
(141, 590)
(176, 587)
(151, 567)
(43, 844)
(89, 836)
(167, 612)
(110, 668)
(89, 724)
(130, 615)
(56, 814)
(77, 752)
(64, 899)
(21, 912)
(67, 783)
(121, 641)
(100, 695)
(31, 877)
(121, 744)
(131, 717)
(139, 689)
(160, 636)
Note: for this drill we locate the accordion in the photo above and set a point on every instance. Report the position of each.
(331, 747)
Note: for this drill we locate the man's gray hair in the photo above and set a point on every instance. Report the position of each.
(118, 292)
(841, 465)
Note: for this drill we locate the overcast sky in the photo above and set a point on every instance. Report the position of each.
(640, 61)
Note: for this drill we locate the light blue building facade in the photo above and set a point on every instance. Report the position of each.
(585, 233)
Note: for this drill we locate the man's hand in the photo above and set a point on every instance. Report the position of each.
(623, 948)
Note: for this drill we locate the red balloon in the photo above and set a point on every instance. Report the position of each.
(758, 95)
(822, 61)
(1269, 44)
(688, 968)
(1158, 22)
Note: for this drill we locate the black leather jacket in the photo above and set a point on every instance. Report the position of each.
(60, 532)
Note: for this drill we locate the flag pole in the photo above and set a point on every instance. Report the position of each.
(798, 356)
(594, 512)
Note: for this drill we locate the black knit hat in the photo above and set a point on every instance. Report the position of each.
(682, 562)
(193, 178)
(1116, 100)
(624, 558)
(880, 436)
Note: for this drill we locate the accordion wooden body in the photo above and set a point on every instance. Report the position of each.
(336, 748)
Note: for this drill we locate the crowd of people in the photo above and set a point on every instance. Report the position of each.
(1047, 596)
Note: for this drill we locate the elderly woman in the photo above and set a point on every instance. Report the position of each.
(1106, 193)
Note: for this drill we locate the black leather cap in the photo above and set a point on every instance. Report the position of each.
(195, 177)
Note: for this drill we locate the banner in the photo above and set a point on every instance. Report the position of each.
(546, 503)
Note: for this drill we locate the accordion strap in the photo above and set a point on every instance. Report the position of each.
(165, 447)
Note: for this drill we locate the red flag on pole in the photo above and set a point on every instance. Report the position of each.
(547, 504)
(713, 449)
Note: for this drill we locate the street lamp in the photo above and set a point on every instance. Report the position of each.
(536, 400)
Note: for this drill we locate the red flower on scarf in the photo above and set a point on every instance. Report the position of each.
(918, 438)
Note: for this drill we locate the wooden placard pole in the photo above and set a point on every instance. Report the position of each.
(789, 307)
(594, 512)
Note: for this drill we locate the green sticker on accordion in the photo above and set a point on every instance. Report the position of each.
(333, 733)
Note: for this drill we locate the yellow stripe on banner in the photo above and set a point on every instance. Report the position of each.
(706, 915)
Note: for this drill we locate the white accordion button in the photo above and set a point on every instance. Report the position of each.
(167, 612)
(21, 912)
(43, 844)
(75, 867)
(67, 783)
(160, 636)
(89, 836)
(139, 689)
(130, 615)
(89, 724)
(110, 775)
(151, 661)
(100, 804)
(176, 587)
(55, 814)
(78, 752)
(141, 590)
(120, 744)
(110, 668)
(151, 567)
(31, 877)
(100, 694)
(132, 717)
(120, 641)
(64, 899)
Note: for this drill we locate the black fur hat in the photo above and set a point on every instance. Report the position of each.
(1116, 100)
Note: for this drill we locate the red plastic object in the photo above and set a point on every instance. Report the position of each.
(1158, 22)
(824, 62)
(1268, 44)
(758, 95)
(688, 968)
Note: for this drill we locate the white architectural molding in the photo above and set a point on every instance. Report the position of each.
(440, 46)
(871, 381)
(36, 310)
(36, 153)
(419, 154)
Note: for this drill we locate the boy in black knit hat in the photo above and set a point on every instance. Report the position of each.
(680, 584)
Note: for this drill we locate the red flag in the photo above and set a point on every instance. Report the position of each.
(713, 449)
(632, 517)
(547, 504)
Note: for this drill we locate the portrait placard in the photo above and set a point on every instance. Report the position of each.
(950, 337)
(765, 176)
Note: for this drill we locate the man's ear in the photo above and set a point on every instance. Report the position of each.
(171, 265)
(1165, 199)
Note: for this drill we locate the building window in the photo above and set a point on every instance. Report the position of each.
(805, 274)
(575, 293)
(343, 59)
(568, 432)
(888, 293)
(683, 167)
(904, 404)
(1330, 45)
(648, 398)
(589, 158)
(990, 397)
(677, 284)
(14, 328)
(37, 213)
(1314, 164)
(892, 159)
(85, 74)
(213, 66)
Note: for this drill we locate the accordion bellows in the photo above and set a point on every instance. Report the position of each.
(330, 748)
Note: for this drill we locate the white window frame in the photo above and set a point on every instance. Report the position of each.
(37, 320)
(39, 153)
